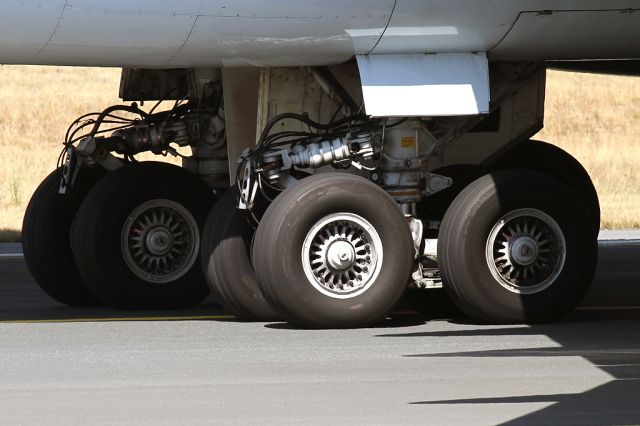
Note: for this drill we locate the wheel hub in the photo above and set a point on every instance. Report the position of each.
(342, 255)
(160, 241)
(526, 251)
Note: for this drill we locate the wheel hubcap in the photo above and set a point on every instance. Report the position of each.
(160, 241)
(342, 255)
(526, 251)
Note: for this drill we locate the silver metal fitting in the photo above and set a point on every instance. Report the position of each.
(339, 150)
(436, 183)
(155, 138)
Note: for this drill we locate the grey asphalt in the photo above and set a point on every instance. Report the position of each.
(202, 367)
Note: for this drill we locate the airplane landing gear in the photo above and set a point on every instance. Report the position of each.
(516, 246)
(45, 237)
(136, 238)
(334, 251)
(226, 261)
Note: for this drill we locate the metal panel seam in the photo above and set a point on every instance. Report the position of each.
(64, 7)
(195, 21)
(631, 10)
(515, 21)
(393, 9)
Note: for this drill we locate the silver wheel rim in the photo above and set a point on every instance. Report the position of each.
(526, 251)
(160, 241)
(342, 255)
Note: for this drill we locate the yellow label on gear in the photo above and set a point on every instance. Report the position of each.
(408, 142)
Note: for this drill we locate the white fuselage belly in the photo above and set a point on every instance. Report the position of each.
(195, 33)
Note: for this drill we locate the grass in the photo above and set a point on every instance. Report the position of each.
(37, 104)
(596, 118)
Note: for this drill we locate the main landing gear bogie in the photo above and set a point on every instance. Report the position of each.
(534, 156)
(335, 250)
(516, 241)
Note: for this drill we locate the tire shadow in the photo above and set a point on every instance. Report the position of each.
(21, 300)
(604, 330)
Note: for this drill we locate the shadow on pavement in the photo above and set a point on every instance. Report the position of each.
(395, 320)
(611, 344)
(605, 331)
(21, 300)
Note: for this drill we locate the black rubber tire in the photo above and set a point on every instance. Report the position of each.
(466, 228)
(278, 246)
(226, 261)
(554, 161)
(96, 235)
(46, 233)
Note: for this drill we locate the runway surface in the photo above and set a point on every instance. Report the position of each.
(98, 366)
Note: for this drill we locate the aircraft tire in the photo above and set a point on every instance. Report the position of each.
(46, 230)
(508, 222)
(136, 238)
(226, 261)
(554, 161)
(333, 225)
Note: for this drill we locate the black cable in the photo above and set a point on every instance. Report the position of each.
(164, 98)
(99, 132)
(91, 121)
(72, 136)
(128, 108)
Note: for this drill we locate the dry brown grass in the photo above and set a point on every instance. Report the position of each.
(37, 104)
(595, 118)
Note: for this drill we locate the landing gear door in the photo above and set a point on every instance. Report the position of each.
(420, 85)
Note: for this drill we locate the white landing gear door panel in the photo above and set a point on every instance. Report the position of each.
(425, 85)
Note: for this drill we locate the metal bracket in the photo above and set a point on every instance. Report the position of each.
(69, 171)
(85, 153)
(248, 188)
(427, 274)
(427, 278)
(417, 232)
(436, 183)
